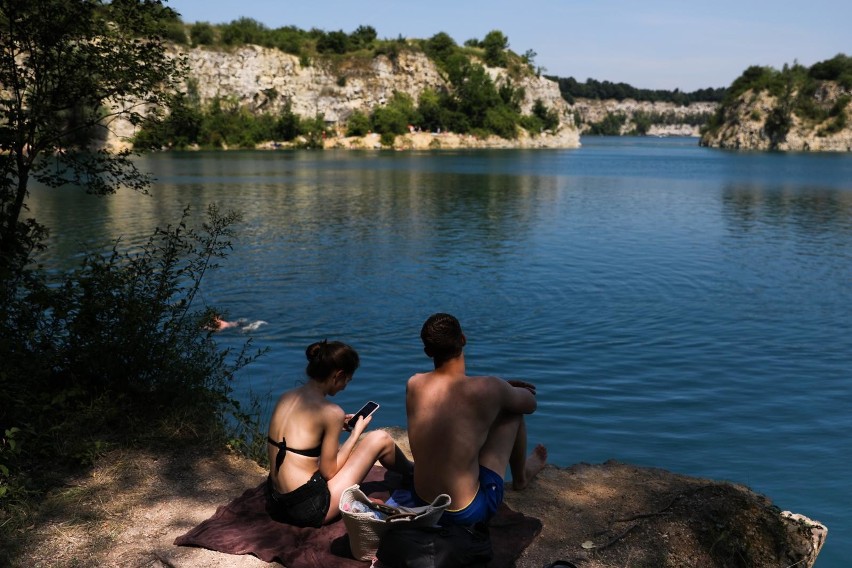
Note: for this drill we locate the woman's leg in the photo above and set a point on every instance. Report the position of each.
(376, 445)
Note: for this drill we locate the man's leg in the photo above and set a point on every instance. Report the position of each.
(506, 446)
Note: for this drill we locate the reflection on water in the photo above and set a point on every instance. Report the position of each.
(676, 306)
(812, 210)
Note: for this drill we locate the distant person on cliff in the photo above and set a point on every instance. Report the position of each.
(465, 431)
(308, 467)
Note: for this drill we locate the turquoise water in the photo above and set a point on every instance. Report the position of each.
(677, 307)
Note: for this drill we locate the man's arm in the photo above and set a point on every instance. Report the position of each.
(518, 397)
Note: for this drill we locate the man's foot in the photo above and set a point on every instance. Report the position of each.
(534, 464)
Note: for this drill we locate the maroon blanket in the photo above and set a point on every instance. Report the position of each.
(243, 527)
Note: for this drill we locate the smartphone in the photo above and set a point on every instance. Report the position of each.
(365, 411)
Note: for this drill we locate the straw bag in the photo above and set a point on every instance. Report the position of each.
(366, 522)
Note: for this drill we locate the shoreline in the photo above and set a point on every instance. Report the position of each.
(597, 515)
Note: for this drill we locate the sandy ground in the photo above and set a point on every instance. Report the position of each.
(132, 505)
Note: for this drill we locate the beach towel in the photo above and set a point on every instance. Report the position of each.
(243, 527)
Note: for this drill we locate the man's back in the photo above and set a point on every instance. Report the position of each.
(466, 431)
(449, 420)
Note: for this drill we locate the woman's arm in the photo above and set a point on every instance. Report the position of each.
(332, 423)
(333, 454)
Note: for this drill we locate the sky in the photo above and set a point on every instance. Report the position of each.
(649, 44)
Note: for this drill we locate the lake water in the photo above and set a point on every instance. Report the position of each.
(676, 306)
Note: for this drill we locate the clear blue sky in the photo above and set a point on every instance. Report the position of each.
(654, 44)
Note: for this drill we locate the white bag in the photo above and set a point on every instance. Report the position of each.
(366, 527)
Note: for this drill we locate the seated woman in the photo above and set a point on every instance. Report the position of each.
(309, 468)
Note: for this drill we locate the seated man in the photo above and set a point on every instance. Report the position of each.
(464, 431)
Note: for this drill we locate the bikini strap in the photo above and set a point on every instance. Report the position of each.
(282, 451)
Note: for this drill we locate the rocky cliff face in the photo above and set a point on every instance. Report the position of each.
(266, 80)
(674, 120)
(759, 121)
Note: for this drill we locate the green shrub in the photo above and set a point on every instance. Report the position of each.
(201, 33)
(502, 121)
(242, 31)
(358, 124)
(610, 125)
(548, 117)
(495, 44)
(176, 32)
(115, 352)
(396, 116)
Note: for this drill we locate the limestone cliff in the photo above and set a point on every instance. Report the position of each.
(667, 119)
(759, 120)
(264, 79)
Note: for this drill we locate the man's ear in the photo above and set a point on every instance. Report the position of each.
(427, 352)
(464, 340)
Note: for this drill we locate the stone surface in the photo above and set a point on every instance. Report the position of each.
(130, 507)
(744, 126)
(592, 110)
(267, 80)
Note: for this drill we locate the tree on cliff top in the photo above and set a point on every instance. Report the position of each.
(68, 69)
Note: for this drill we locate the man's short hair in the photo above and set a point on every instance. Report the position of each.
(442, 337)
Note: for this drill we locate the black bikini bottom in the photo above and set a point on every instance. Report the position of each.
(305, 506)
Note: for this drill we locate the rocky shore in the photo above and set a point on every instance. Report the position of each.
(130, 507)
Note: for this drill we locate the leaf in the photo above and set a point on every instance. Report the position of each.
(588, 544)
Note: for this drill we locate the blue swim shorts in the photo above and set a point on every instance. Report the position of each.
(484, 505)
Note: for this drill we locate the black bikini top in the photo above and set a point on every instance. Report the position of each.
(282, 449)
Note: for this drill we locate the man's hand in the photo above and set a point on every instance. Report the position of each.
(523, 385)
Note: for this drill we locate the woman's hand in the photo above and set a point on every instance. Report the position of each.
(363, 422)
(361, 425)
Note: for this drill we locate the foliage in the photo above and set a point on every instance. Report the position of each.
(502, 121)
(440, 47)
(610, 125)
(242, 31)
(495, 45)
(114, 352)
(358, 124)
(201, 33)
(363, 37)
(110, 352)
(70, 67)
(396, 116)
(593, 89)
(333, 42)
(224, 123)
(289, 39)
(797, 91)
(838, 68)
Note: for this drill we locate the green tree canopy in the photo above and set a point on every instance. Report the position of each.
(495, 45)
(69, 68)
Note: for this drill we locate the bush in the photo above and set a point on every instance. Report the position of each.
(176, 32)
(358, 124)
(243, 31)
(396, 116)
(201, 33)
(115, 352)
(502, 121)
(333, 42)
(495, 45)
(610, 125)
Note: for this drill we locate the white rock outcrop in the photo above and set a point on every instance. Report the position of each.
(681, 119)
(745, 125)
(267, 80)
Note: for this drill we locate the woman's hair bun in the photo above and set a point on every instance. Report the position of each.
(324, 358)
(314, 350)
